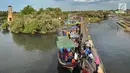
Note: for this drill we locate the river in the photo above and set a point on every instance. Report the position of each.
(37, 53)
(27, 53)
(113, 44)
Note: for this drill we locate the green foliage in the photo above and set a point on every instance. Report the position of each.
(126, 14)
(3, 16)
(3, 13)
(4, 26)
(40, 11)
(93, 15)
(47, 20)
(17, 25)
(28, 10)
(35, 23)
(42, 21)
(92, 19)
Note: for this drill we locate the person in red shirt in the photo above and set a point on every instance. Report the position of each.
(84, 70)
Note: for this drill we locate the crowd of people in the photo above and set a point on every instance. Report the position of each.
(87, 53)
(67, 55)
(71, 56)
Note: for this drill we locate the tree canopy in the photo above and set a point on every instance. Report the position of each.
(28, 10)
(42, 21)
(92, 16)
(3, 16)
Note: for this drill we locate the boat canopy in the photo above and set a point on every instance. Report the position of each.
(65, 44)
(62, 38)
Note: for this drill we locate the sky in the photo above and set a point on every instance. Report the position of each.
(64, 4)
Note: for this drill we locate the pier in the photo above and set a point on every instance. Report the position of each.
(92, 66)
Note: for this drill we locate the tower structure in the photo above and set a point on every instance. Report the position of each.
(10, 14)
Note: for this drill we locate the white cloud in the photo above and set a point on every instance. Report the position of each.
(115, 1)
(86, 0)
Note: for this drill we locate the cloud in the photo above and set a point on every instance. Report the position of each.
(86, 0)
(65, 4)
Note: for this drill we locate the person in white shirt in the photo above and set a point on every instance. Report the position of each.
(91, 55)
(90, 58)
(76, 56)
(87, 43)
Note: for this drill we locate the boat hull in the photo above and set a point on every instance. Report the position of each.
(70, 66)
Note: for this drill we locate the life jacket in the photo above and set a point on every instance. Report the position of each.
(73, 61)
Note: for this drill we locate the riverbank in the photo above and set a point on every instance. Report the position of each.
(101, 68)
(124, 25)
(92, 19)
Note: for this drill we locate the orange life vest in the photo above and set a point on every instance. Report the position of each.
(73, 60)
(70, 54)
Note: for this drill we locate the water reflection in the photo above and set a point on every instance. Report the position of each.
(20, 53)
(32, 42)
(5, 32)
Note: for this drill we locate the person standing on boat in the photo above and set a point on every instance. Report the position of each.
(81, 36)
(73, 61)
(69, 36)
(67, 33)
(64, 33)
(88, 44)
(65, 54)
(70, 55)
(76, 56)
(61, 53)
(87, 51)
(90, 57)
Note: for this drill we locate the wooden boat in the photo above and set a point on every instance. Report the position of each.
(63, 42)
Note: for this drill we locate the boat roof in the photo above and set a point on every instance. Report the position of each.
(65, 44)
